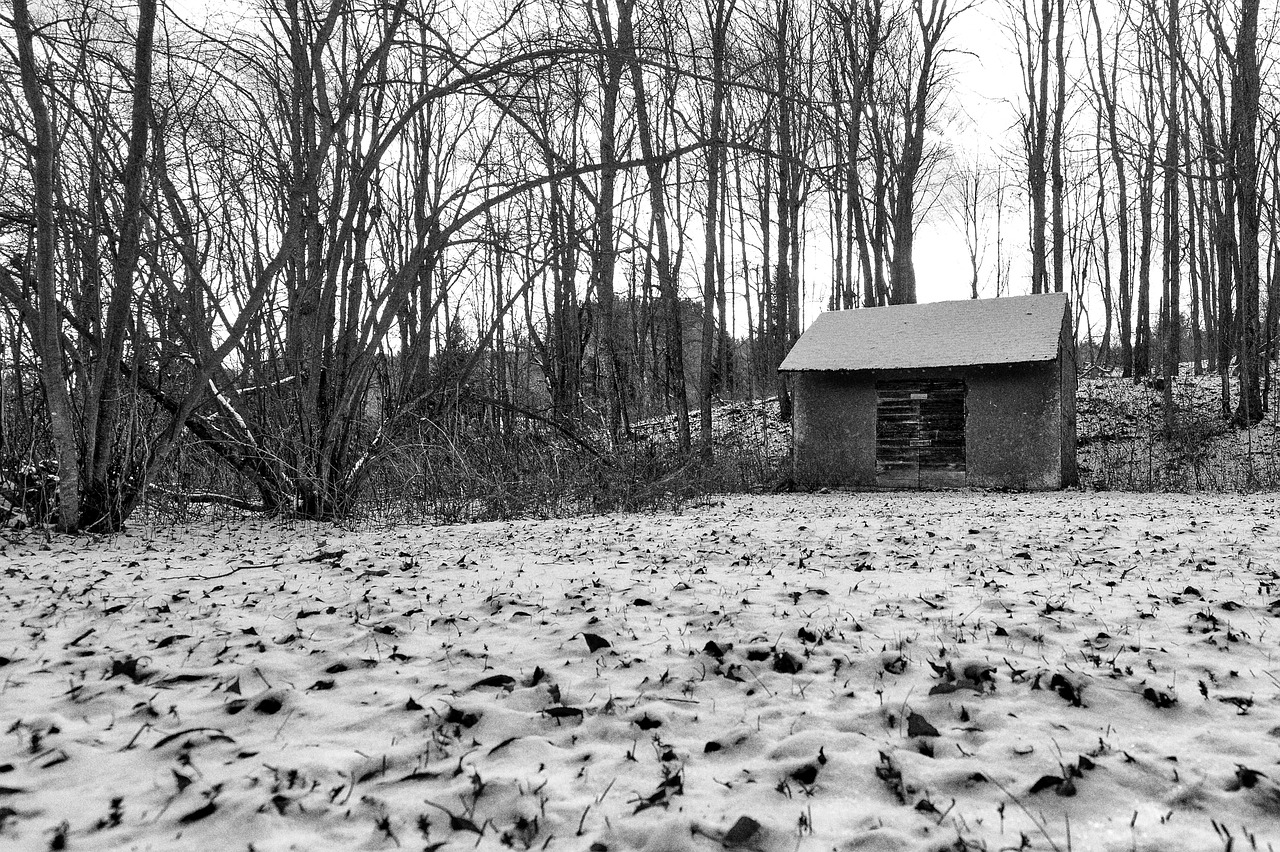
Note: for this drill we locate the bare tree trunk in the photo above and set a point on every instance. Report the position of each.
(667, 284)
(1035, 71)
(605, 257)
(1124, 285)
(718, 15)
(46, 323)
(1146, 237)
(1194, 280)
(1173, 225)
(101, 503)
(1245, 93)
(1056, 144)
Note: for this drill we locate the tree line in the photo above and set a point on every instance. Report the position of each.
(1151, 154)
(302, 237)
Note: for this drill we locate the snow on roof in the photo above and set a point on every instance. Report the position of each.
(1012, 330)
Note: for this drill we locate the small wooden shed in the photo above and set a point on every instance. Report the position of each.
(975, 393)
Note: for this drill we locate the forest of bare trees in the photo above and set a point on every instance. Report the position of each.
(295, 243)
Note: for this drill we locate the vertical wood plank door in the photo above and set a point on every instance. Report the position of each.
(920, 434)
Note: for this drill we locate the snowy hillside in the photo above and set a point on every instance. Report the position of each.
(858, 672)
(1122, 444)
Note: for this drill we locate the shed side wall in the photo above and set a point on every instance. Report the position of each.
(1014, 431)
(1067, 363)
(834, 429)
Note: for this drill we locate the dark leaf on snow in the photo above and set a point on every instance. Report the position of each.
(1046, 782)
(182, 678)
(741, 832)
(198, 814)
(508, 741)
(494, 680)
(672, 785)
(1246, 777)
(461, 823)
(127, 667)
(595, 643)
(563, 712)
(787, 663)
(459, 717)
(919, 726)
(1067, 690)
(806, 775)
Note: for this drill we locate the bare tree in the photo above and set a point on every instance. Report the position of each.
(1245, 96)
(921, 92)
(719, 13)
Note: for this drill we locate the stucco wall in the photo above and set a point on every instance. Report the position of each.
(1067, 365)
(834, 429)
(1012, 430)
(1014, 434)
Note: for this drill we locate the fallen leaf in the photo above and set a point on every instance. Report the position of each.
(918, 726)
(595, 643)
(1046, 782)
(198, 814)
(741, 832)
(493, 680)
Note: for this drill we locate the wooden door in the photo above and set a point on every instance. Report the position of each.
(920, 434)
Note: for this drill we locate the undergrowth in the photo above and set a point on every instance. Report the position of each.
(467, 472)
(1126, 443)
(527, 474)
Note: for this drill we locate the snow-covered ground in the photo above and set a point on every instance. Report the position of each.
(794, 672)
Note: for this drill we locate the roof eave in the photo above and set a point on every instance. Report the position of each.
(881, 369)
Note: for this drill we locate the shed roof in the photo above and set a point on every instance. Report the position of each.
(1012, 330)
